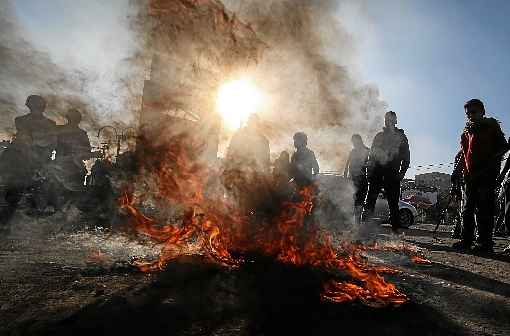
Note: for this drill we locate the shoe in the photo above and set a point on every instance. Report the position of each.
(483, 248)
(461, 246)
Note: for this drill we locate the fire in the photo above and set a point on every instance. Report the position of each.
(213, 227)
(420, 260)
(236, 100)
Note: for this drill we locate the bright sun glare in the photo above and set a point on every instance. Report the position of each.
(236, 100)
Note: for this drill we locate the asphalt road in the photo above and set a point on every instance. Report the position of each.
(72, 283)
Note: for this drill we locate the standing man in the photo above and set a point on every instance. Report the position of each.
(483, 145)
(355, 169)
(388, 161)
(303, 164)
(73, 147)
(248, 167)
(28, 154)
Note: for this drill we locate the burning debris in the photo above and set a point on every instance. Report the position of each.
(212, 227)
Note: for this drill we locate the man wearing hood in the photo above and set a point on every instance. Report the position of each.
(482, 145)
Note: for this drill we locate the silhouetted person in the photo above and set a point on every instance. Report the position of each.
(303, 164)
(281, 175)
(281, 170)
(387, 165)
(247, 166)
(457, 192)
(73, 147)
(482, 144)
(504, 182)
(249, 148)
(29, 152)
(355, 169)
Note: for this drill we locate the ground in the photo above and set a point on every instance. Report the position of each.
(81, 282)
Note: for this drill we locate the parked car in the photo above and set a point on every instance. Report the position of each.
(407, 211)
(340, 191)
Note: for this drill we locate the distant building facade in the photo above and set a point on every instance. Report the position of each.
(441, 181)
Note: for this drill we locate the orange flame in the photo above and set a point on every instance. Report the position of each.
(217, 229)
(420, 260)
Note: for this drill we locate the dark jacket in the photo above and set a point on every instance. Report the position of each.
(249, 151)
(304, 166)
(482, 144)
(389, 151)
(357, 163)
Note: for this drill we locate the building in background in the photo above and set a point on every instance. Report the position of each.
(440, 181)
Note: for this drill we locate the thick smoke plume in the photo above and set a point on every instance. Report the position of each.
(107, 90)
(305, 74)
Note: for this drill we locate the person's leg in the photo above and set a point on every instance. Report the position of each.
(392, 187)
(374, 188)
(468, 215)
(507, 207)
(485, 213)
(360, 193)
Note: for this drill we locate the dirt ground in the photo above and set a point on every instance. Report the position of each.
(52, 282)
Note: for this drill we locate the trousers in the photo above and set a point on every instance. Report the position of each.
(388, 179)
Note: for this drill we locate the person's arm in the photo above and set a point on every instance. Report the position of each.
(505, 170)
(456, 177)
(405, 156)
(347, 165)
(84, 149)
(315, 165)
(501, 143)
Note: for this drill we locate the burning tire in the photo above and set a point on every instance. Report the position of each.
(406, 218)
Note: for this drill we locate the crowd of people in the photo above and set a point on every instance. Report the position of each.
(476, 177)
(44, 156)
(55, 153)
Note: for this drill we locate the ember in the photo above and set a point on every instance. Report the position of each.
(214, 228)
(421, 260)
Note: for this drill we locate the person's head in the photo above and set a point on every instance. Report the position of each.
(284, 156)
(73, 117)
(300, 140)
(390, 119)
(36, 104)
(357, 141)
(253, 121)
(475, 110)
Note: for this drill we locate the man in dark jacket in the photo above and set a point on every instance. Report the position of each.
(303, 164)
(25, 159)
(388, 161)
(482, 144)
(355, 169)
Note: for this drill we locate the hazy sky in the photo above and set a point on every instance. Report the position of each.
(427, 57)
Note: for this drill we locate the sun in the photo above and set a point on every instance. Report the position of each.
(236, 100)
